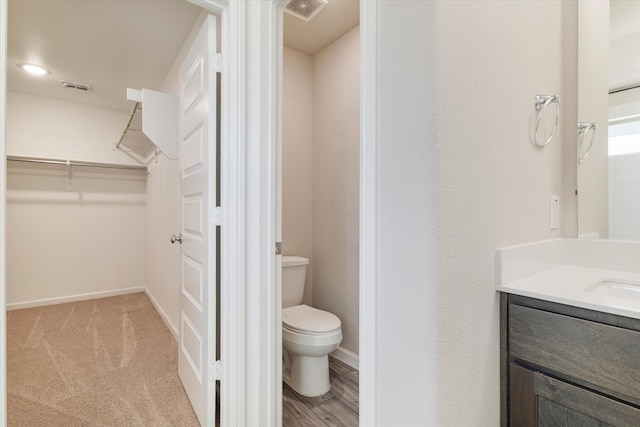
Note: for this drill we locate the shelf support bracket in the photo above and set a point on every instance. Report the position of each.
(68, 179)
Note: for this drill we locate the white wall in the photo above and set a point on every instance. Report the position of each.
(46, 127)
(297, 163)
(162, 259)
(623, 59)
(320, 181)
(624, 197)
(624, 173)
(458, 176)
(336, 150)
(3, 222)
(163, 213)
(68, 243)
(593, 100)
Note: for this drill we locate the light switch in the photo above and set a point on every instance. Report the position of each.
(555, 213)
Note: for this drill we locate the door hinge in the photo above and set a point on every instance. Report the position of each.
(215, 216)
(278, 248)
(215, 371)
(215, 62)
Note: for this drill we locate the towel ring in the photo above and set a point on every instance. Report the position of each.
(583, 128)
(541, 102)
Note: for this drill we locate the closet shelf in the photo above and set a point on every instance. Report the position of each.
(152, 126)
(50, 161)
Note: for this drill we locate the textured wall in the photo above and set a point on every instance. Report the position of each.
(624, 197)
(297, 139)
(593, 103)
(163, 212)
(458, 176)
(162, 220)
(336, 182)
(61, 244)
(46, 127)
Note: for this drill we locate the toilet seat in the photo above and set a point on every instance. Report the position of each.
(308, 320)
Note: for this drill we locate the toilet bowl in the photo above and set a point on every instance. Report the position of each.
(308, 334)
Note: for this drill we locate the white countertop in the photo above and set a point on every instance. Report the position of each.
(568, 271)
(577, 286)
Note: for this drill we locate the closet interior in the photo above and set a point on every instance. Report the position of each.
(92, 149)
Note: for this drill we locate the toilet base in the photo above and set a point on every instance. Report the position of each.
(308, 375)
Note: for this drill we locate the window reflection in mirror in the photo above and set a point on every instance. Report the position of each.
(624, 163)
(609, 95)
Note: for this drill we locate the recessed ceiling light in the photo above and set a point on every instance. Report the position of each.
(34, 69)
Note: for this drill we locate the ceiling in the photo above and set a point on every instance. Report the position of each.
(115, 45)
(624, 17)
(624, 43)
(110, 45)
(333, 21)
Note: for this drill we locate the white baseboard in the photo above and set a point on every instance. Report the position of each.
(347, 357)
(73, 298)
(165, 318)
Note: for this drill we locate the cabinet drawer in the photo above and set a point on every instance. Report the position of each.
(562, 404)
(602, 357)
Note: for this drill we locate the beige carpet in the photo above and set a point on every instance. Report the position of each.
(105, 362)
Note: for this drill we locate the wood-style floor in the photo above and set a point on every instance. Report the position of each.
(339, 407)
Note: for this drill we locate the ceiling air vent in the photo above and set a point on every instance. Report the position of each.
(305, 9)
(73, 85)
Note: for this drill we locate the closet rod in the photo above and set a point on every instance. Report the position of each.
(77, 163)
(622, 89)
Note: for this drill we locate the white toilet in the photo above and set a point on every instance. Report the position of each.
(308, 334)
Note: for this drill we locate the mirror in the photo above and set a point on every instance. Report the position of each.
(609, 98)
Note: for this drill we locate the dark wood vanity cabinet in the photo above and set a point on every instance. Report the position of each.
(567, 366)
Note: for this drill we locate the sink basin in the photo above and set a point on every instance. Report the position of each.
(623, 289)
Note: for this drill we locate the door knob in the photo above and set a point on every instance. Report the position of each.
(177, 238)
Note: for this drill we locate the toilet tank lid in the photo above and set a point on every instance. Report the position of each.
(292, 261)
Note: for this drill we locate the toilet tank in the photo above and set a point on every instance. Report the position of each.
(294, 273)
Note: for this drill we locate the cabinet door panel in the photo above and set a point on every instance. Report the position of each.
(563, 404)
(577, 419)
(536, 399)
(553, 414)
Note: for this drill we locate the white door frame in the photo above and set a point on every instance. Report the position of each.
(251, 383)
(368, 193)
(4, 15)
(368, 210)
(234, 381)
(252, 112)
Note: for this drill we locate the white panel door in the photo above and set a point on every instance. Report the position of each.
(198, 259)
